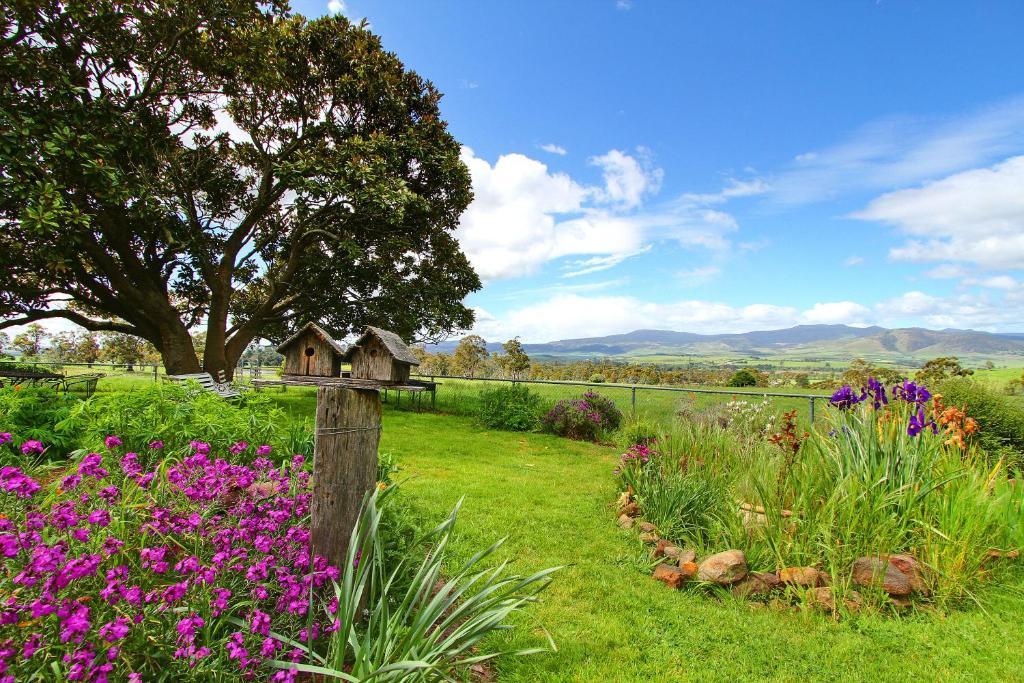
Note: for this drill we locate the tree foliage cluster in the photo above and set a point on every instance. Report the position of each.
(229, 163)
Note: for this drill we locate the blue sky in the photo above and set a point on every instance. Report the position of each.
(710, 167)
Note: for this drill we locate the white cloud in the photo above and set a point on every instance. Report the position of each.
(624, 4)
(524, 215)
(626, 181)
(994, 282)
(552, 148)
(598, 263)
(901, 151)
(336, 7)
(698, 276)
(839, 312)
(570, 314)
(735, 189)
(853, 261)
(975, 216)
(946, 271)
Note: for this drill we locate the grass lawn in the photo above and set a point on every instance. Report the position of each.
(611, 622)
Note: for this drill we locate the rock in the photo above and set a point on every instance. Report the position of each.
(649, 537)
(664, 548)
(647, 527)
(671, 576)
(804, 577)
(1004, 554)
(689, 569)
(631, 509)
(897, 575)
(787, 513)
(687, 556)
(756, 583)
(724, 569)
(625, 521)
(823, 598)
(753, 519)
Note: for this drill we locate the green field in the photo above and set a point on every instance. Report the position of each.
(611, 622)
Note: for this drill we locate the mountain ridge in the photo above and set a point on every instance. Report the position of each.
(842, 340)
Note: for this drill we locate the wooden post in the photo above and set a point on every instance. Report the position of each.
(345, 465)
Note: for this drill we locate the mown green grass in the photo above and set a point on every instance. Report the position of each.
(611, 622)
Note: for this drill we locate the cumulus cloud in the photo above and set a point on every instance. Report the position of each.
(839, 312)
(853, 261)
(946, 271)
(975, 216)
(626, 180)
(336, 7)
(570, 314)
(552, 148)
(994, 282)
(524, 215)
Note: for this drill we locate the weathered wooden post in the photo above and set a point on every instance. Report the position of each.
(345, 465)
(348, 415)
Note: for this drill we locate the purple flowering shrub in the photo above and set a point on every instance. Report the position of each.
(587, 418)
(116, 570)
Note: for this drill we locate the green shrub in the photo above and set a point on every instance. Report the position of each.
(176, 414)
(1000, 417)
(514, 408)
(33, 413)
(638, 430)
(743, 378)
(597, 378)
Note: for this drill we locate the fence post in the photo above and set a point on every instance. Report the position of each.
(344, 465)
(155, 378)
(812, 410)
(633, 398)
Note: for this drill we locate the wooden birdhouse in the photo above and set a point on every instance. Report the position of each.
(311, 352)
(381, 356)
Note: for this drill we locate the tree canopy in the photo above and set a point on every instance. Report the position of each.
(228, 165)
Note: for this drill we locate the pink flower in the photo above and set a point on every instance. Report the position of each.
(111, 442)
(263, 450)
(114, 631)
(156, 445)
(5, 437)
(238, 447)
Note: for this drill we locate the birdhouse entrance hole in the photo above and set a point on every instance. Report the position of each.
(310, 351)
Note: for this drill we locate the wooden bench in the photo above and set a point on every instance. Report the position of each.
(222, 388)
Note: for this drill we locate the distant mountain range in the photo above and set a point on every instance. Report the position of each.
(823, 342)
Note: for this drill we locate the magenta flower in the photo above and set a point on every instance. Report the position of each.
(32, 446)
(112, 442)
(263, 450)
(238, 447)
(90, 466)
(5, 437)
(14, 480)
(156, 445)
(114, 631)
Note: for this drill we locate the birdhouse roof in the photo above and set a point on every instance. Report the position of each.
(394, 344)
(318, 331)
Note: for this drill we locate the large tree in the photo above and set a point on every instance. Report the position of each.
(169, 164)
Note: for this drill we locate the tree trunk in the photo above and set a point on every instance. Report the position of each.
(177, 351)
(344, 467)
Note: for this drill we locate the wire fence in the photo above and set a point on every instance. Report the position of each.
(461, 395)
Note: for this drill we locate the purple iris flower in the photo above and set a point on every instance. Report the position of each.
(845, 398)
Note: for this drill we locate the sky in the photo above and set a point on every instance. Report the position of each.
(723, 167)
(719, 167)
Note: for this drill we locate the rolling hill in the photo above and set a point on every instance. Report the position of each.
(812, 342)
